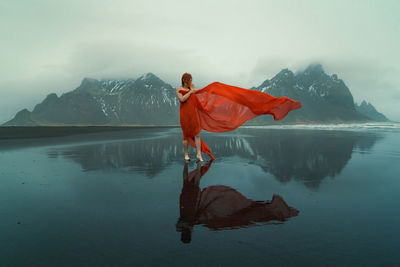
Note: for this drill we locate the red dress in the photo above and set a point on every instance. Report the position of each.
(220, 107)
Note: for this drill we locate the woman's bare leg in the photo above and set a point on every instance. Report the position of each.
(198, 147)
(185, 149)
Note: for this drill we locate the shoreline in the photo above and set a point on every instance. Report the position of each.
(276, 123)
(26, 132)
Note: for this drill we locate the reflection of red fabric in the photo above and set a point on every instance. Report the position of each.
(220, 107)
(222, 207)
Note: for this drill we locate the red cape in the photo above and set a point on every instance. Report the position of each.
(220, 107)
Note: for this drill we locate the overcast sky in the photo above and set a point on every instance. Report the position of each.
(49, 46)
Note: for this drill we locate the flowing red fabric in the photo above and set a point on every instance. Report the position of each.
(220, 107)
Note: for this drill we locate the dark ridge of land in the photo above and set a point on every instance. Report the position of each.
(17, 132)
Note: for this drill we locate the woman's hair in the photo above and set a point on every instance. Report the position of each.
(186, 78)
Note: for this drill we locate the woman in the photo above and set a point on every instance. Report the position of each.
(188, 118)
(220, 107)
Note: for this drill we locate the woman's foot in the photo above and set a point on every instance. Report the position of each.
(199, 158)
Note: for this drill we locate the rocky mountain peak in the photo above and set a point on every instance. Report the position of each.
(313, 73)
(88, 82)
(315, 68)
(370, 111)
(283, 74)
(148, 76)
(150, 80)
(89, 85)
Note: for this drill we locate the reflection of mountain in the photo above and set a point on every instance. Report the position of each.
(309, 156)
(305, 155)
(148, 156)
(221, 207)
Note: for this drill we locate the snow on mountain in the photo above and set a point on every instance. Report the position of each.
(148, 100)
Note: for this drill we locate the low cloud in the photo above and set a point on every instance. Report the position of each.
(49, 47)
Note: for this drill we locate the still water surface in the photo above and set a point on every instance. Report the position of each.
(300, 196)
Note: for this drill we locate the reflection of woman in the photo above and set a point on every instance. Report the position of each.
(221, 107)
(189, 200)
(221, 207)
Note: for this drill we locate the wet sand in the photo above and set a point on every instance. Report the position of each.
(124, 197)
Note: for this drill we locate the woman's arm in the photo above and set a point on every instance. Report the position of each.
(181, 97)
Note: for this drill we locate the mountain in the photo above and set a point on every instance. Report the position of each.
(325, 98)
(369, 110)
(145, 100)
(148, 100)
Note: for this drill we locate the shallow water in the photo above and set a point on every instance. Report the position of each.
(324, 196)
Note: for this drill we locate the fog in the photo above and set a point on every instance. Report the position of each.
(50, 46)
